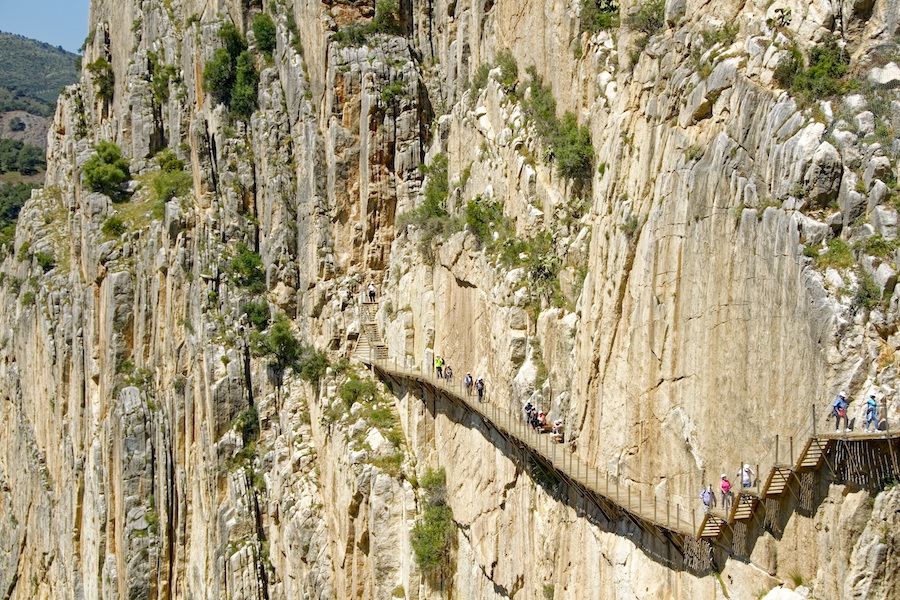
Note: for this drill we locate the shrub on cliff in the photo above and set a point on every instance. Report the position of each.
(230, 76)
(649, 18)
(264, 30)
(825, 76)
(107, 171)
(599, 15)
(104, 78)
(432, 535)
(287, 351)
(172, 180)
(245, 269)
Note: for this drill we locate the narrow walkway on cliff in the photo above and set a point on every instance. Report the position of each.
(867, 460)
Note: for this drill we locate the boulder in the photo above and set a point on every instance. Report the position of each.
(884, 220)
(887, 76)
(879, 167)
(823, 177)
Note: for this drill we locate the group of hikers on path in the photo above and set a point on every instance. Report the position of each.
(444, 371)
(745, 474)
(840, 411)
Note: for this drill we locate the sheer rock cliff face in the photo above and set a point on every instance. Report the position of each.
(146, 451)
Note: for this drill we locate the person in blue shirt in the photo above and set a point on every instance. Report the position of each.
(871, 413)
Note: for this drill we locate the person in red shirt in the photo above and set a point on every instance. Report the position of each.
(727, 494)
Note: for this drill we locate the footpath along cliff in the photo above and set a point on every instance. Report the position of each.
(672, 224)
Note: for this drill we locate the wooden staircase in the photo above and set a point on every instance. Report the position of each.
(369, 346)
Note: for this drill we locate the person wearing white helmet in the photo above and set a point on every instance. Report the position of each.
(747, 476)
(839, 411)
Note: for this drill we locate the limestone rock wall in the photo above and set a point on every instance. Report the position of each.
(147, 450)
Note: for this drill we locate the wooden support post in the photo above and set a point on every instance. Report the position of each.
(776, 448)
(792, 452)
(667, 512)
(758, 480)
(654, 509)
(813, 419)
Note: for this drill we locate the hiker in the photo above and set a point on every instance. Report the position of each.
(439, 366)
(468, 381)
(839, 411)
(708, 498)
(727, 494)
(479, 387)
(448, 372)
(371, 292)
(871, 413)
(747, 476)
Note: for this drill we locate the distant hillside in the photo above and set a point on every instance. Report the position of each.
(34, 69)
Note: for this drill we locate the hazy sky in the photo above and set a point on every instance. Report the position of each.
(57, 22)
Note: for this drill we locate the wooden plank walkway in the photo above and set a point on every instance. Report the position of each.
(659, 513)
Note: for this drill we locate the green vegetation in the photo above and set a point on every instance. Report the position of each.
(104, 78)
(13, 99)
(32, 73)
(12, 198)
(509, 70)
(877, 246)
(386, 21)
(230, 75)
(22, 158)
(599, 15)
(171, 181)
(258, 314)
(867, 294)
(837, 255)
(245, 269)
(649, 18)
(357, 390)
(538, 257)
(484, 217)
(264, 31)
(113, 227)
(16, 124)
(106, 171)
(45, 261)
(825, 76)
(247, 424)
(160, 78)
(724, 35)
(570, 144)
(432, 535)
(285, 350)
(432, 218)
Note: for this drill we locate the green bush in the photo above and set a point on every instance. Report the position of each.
(479, 81)
(218, 76)
(877, 246)
(483, 218)
(258, 314)
(432, 535)
(825, 76)
(113, 227)
(649, 18)
(264, 30)
(432, 218)
(867, 295)
(509, 70)
(246, 269)
(573, 150)
(106, 171)
(16, 124)
(599, 15)
(286, 350)
(392, 91)
(247, 424)
(171, 180)
(230, 76)
(358, 390)
(16, 156)
(160, 77)
(104, 78)
(45, 261)
(244, 93)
